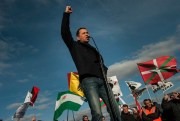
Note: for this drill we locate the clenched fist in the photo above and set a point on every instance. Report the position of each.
(68, 9)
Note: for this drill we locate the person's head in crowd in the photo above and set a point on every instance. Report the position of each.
(175, 95)
(85, 118)
(125, 108)
(147, 103)
(134, 110)
(103, 118)
(33, 118)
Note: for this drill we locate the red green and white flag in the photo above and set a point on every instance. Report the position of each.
(158, 69)
(67, 100)
(102, 104)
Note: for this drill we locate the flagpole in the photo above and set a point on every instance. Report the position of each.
(156, 96)
(67, 114)
(148, 92)
(108, 89)
(73, 115)
(123, 102)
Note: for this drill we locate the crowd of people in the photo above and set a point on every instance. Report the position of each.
(168, 110)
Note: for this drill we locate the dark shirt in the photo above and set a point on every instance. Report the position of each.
(127, 116)
(152, 116)
(174, 107)
(85, 56)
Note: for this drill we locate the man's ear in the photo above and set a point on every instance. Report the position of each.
(77, 37)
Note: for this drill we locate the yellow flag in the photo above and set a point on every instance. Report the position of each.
(73, 83)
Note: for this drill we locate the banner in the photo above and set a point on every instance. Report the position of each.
(20, 112)
(162, 85)
(113, 82)
(133, 85)
(158, 69)
(67, 100)
(73, 84)
(34, 92)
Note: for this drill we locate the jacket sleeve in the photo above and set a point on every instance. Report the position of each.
(65, 30)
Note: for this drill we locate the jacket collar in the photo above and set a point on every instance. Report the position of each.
(87, 44)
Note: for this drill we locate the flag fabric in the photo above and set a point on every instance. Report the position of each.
(20, 112)
(158, 69)
(166, 86)
(138, 92)
(133, 85)
(102, 104)
(113, 82)
(155, 87)
(138, 105)
(28, 97)
(161, 86)
(67, 100)
(73, 83)
(34, 92)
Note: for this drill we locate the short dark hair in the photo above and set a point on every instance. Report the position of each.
(85, 116)
(77, 32)
(125, 105)
(147, 100)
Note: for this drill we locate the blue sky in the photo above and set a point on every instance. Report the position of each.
(33, 53)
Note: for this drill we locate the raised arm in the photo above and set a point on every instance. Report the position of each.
(65, 29)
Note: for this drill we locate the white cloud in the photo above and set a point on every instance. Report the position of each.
(13, 106)
(27, 117)
(42, 100)
(166, 47)
(42, 106)
(127, 68)
(178, 28)
(4, 52)
(23, 80)
(43, 96)
(10, 49)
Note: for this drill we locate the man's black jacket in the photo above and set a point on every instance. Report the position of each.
(85, 56)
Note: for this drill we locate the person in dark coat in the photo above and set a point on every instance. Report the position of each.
(136, 114)
(126, 115)
(171, 104)
(91, 69)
